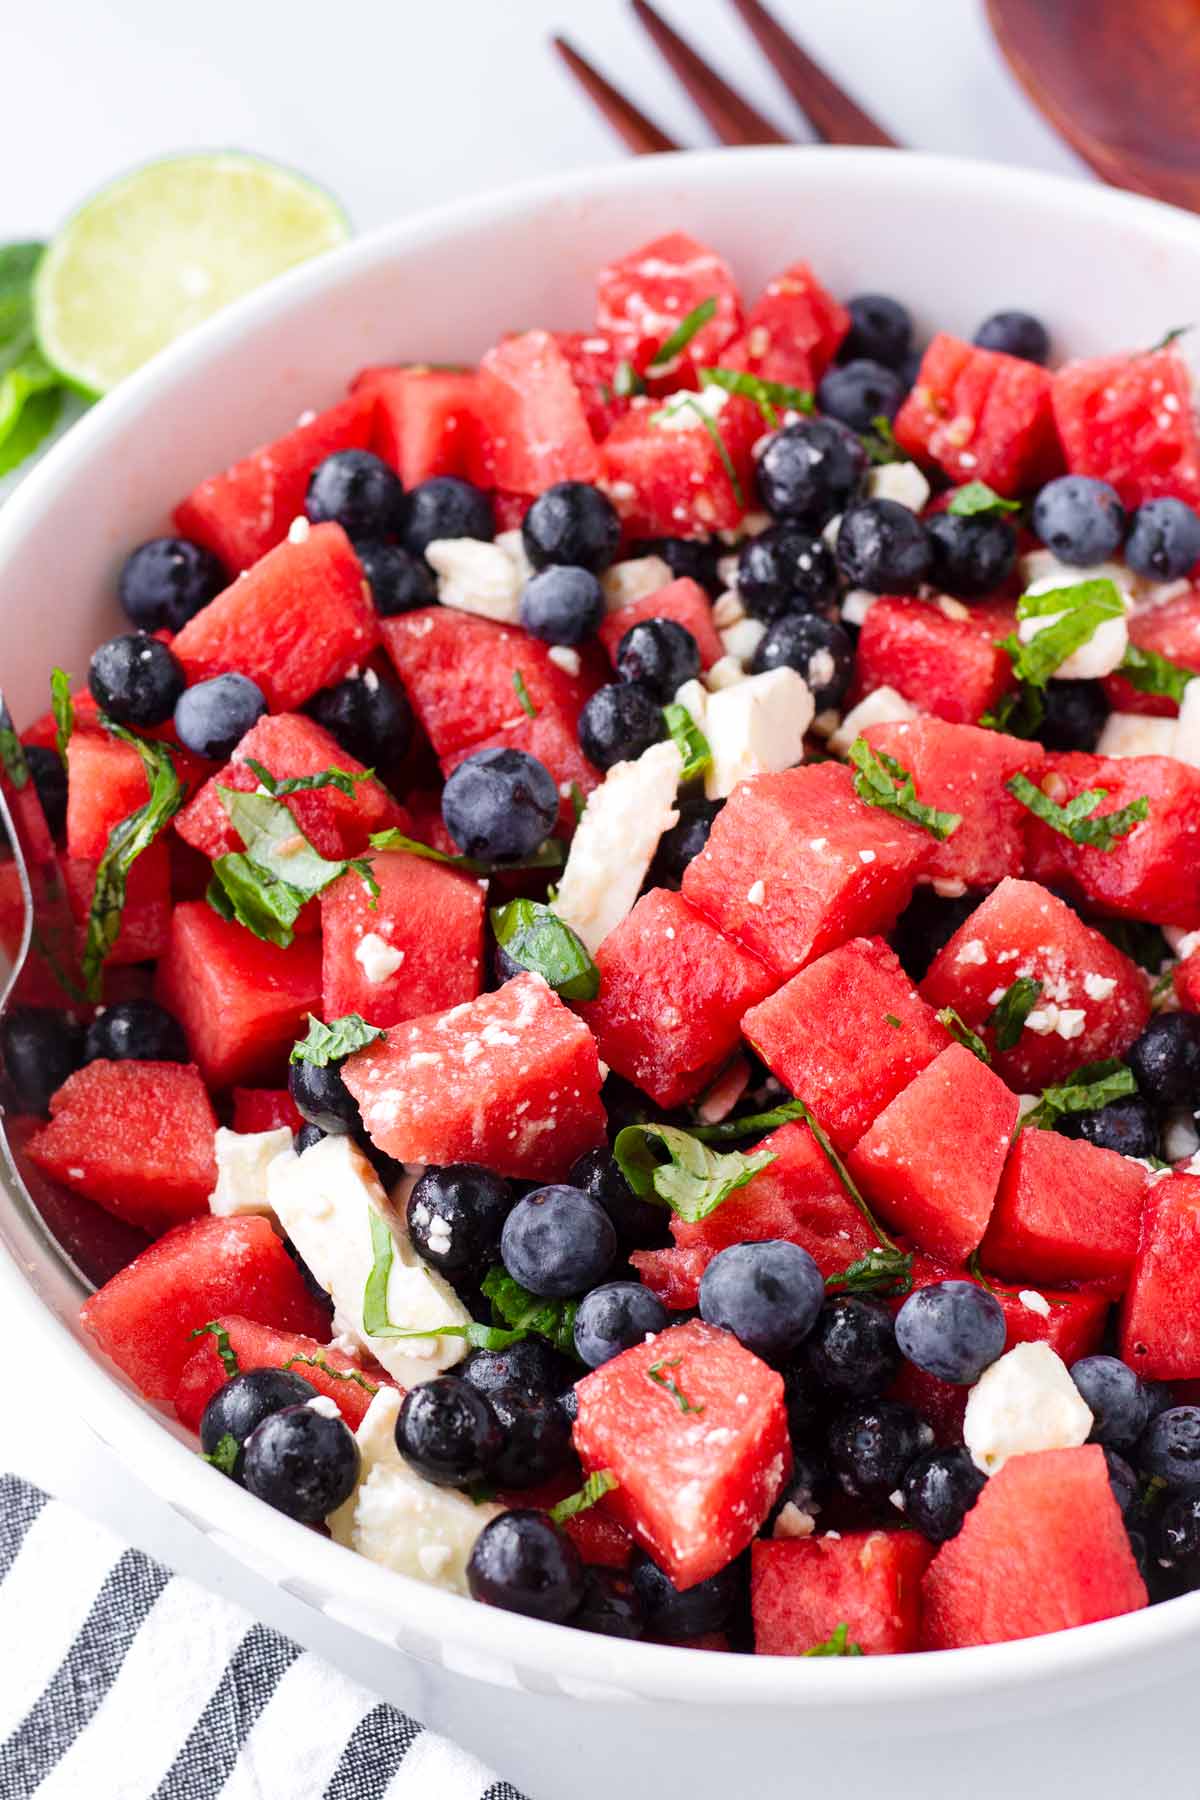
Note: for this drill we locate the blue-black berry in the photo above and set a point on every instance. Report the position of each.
(500, 804)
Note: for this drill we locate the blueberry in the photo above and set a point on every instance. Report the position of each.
(939, 1490)
(41, 1047)
(571, 522)
(618, 723)
(1170, 1447)
(852, 1350)
(302, 1463)
(1127, 1125)
(1016, 334)
(613, 1318)
(240, 1405)
(135, 1031)
(1074, 717)
(558, 1241)
(786, 570)
(50, 781)
(447, 1431)
(695, 558)
(1178, 1534)
(322, 1097)
(1164, 543)
(531, 1365)
(804, 1396)
(358, 491)
(610, 1605)
(454, 1215)
(1166, 1060)
(368, 715)
(536, 1442)
(136, 680)
(681, 843)
(659, 655)
(500, 804)
(214, 716)
(880, 329)
(883, 547)
(675, 1613)
(910, 368)
(871, 1447)
(810, 470)
(952, 1329)
(562, 605)
(1116, 1397)
(306, 1137)
(1080, 519)
(859, 392)
(166, 582)
(970, 556)
(639, 1224)
(818, 649)
(399, 582)
(926, 925)
(445, 507)
(768, 1294)
(524, 1564)
(1123, 1481)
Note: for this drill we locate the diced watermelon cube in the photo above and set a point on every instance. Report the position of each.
(1066, 1211)
(846, 1035)
(246, 511)
(206, 1269)
(241, 1002)
(264, 1109)
(962, 769)
(802, 1589)
(1153, 872)
(693, 1486)
(552, 735)
(944, 665)
(146, 914)
(932, 1160)
(979, 415)
(533, 429)
(672, 995)
(1022, 930)
(300, 619)
(1130, 420)
(255, 1346)
(135, 1137)
(796, 864)
(1160, 1324)
(425, 419)
(417, 948)
(791, 332)
(674, 1273)
(510, 1080)
(642, 298)
(593, 360)
(106, 781)
(666, 473)
(1172, 629)
(685, 601)
(1043, 1548)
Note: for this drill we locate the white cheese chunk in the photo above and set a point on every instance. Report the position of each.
(615, 841)
(693, 696)
(727, 607)
(1182, 941)
(857, 604)
(1025, 1401)
(633, 580)
(475, 577)
(325, 1201)
(1180, 1137)
(513, 545)
(726, 672)
(1134, 734)
(883, 706)
(899, 481)
(686, 410)
(742, 640)
(376, 957)
(1034, 1302)
(1041, 571)
(397, 1519)
(242, 1161)
(564, 658)
(756, 728)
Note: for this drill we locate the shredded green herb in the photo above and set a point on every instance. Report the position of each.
(682, 335)
(226, 1454)
(1078, 819)
(963, 1034)
(657, 1373)
(695, 1180)
(1008, 1016)
(224, 1348)
(547, 856)
(836, 1644)
(978, 500)
(691, 742)
(882, 781)
(333, 1042)
(522, 693)
(126, 841)
(343, 779)
(770, 397)
(880, 1271)
(63, 708)
(536, 938)
(1151, 673)
(599, 1483)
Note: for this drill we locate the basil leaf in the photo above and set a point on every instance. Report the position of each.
(880, 442)
(318, 1362)
(126, 841)
(962, 1032)
(1091, 1087)
(1019, 712)
(331, 1043)
(690, 741)
(768, 396)
(695, 1181)
(12, 750)
(1084, 607)
(658, 1375)
(751, 1124)
(882, 781)
(599, 1483)
(1151, 673)
(343, 779)
(226, 1454)
(1008, 1016)
(879, 1271)
(547, 856)
(522, 693)
(978, 500)
(224, 1348)
(682, 335)
(275, 844)
(515, 1306)
(63, 708)
(836, 1644)
(1076, 820)
(538, 939)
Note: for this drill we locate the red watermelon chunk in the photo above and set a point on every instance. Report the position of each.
(796, 864)
(593, 360)
(1022, 930)
(962, 769)
(643, 298)
(206, 1269)
(672, 995)
(694, 1486)
(932, 1160)
(802, 1589)
(425, 419)
(1066, 1211)
(1043, 1548)
(135, 1137)
(1153, 872)
(246, 511)
(1187, 982)
(264, 1109)
(255, 1346)
(846, 1035)
(533, 429)
(792, 331)
(1160, 1324)
(942, 664)
(427, 920)
(674, 1273)
(106, 781)
(685, 601)
(241, 1002)
(979, 415)
(1130, 420)
(300, 619)
(146, 914)
(666, 474)
(510, 1080)
(1171, 629)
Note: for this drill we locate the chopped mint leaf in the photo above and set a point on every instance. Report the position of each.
(975, 1271)
(695, 1180)
(226, 1454)
(12, 750)
(880, 442)
(224, 1348)
(970, 1040)
(769, 396)
(978, 500)
(692, 403)
(1168, 338)
(578, 801)
(1163, 986)
(1008, 1016)
(690, 741)
(599, 1483)
(331, 1043)
(268, 883)
(539, 940)
(682, 335)
(63, 708)
(319, 1362)
(1084, 606)
(626, 380)
(843, 1174)
(893, 1021)
(836, 1644)
(750, 1124)
(522, 693)
(126, 841)
(879, 1271)
(1151, 673)
(1076, 820)
(547, 856)
(1019, 712)
(524, 1312)
(1091, 1087)
(882, 781)
(658, 1374)
(342, 779)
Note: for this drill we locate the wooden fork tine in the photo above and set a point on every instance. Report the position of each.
(733, 119)
(641, 134)
(834, 116)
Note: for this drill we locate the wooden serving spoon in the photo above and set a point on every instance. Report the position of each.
(1119, 80)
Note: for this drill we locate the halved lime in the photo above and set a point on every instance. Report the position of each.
(166, 246)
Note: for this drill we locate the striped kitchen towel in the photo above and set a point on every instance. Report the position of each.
(121, 1681)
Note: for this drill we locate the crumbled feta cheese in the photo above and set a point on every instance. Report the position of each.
(866, 856)
(513, 545)
(1065, 1022)
(899, 481)
(325, 1405)
(1034, 1302)
(298, 530)
(633, 580)
(726, 672)
(564, 658)
(793, 1522)
(883, 706)
(742, 640)
(682, 410)
(242, 1160)
(693, 696)
(973, 951)
(1098, 987)
(756, 728)
(476, 577)
(615, 841)
(727, 608)
(1027, 1103)
(1041, 572)
(856, 604)
(948, 887)
(1135, 734)
(757, 894)
(1180, 1137)
(1025, 1401)
(376, 957)
(950, 608)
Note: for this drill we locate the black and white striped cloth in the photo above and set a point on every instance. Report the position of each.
(121, 1681)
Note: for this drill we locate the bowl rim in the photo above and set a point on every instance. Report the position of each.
(145, 1439)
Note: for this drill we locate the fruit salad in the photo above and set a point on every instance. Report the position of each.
(619, 933)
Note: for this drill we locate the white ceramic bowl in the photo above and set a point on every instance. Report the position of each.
(954, 239)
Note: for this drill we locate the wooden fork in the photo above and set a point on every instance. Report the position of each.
(834, 117)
